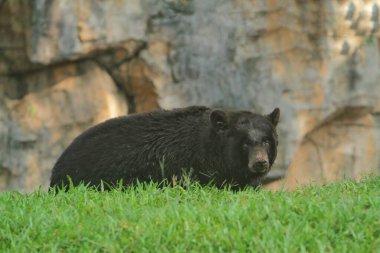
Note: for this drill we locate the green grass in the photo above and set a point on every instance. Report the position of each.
(341, 217)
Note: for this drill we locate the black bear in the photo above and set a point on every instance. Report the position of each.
(219, 146)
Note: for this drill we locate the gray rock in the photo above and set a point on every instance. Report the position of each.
(316, 62)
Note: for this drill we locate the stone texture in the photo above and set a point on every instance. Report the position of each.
(67, 29)
(13, 46)
(343, 146)
(316, 60)
(35, 129)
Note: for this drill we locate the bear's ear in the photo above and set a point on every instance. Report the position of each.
(274, 116)
(219, 119)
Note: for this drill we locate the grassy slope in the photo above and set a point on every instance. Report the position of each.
(342, 217)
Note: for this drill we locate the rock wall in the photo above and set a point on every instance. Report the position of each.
(66, 65)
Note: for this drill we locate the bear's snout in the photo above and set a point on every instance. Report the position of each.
(258, 160)
(260, 167)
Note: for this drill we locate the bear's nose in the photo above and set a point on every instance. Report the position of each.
(260, 166)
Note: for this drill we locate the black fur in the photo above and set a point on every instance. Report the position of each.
(215, 144)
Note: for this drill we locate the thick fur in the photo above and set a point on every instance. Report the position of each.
(210, 142)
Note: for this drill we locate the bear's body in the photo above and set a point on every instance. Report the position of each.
(220, 146)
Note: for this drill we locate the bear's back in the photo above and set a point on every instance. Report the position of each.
(130, 147)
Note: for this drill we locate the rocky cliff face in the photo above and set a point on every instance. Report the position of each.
(66, 65)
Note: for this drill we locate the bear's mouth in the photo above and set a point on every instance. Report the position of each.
(257, 172)
(256, 178)
(259, 175)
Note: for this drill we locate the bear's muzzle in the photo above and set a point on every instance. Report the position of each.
(258, 161)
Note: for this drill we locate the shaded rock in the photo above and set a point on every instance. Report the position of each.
(14, 17)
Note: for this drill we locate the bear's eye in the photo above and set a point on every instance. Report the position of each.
(246, 144)
(265, 142)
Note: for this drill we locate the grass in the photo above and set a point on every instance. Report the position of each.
(341, 217)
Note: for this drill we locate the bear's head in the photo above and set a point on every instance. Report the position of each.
(249, 141)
